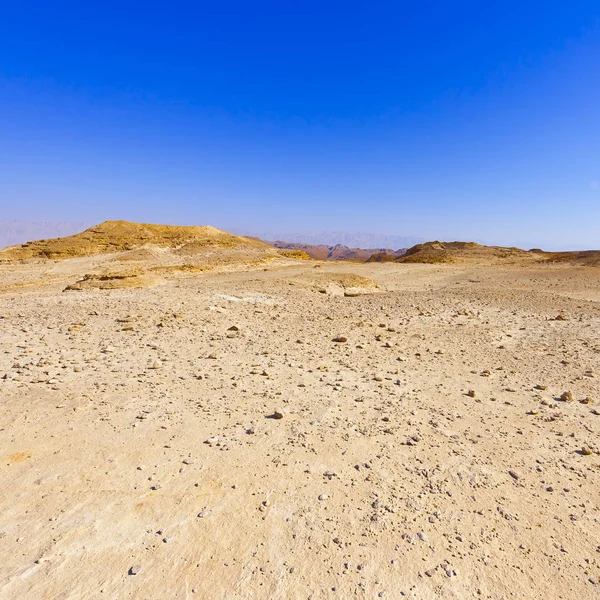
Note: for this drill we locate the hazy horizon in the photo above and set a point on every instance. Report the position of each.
(14, 232)
(449, 122)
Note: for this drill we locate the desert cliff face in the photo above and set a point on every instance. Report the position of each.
(184, 421)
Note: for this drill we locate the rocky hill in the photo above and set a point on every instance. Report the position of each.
(120, 236)
(470, 252)
(588, 258)
(439, 252)
(117, 254)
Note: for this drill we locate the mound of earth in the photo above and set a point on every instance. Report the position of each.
(299, 254)
(113, 281)
(385, 256)
(120, 236)
(446, 252)
(470, 252)
(587, 258)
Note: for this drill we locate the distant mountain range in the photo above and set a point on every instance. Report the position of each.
(339, 251)
(334, 238)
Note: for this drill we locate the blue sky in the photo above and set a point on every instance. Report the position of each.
(442, 120)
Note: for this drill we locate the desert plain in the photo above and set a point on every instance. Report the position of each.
(250, 424)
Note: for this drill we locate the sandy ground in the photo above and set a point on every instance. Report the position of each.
(140, 456)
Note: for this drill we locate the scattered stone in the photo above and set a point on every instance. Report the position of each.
(340, 339)
(471, 393)
(514, 475)
(323, 496)
(135, 569)
(566, 397)
(278, 414)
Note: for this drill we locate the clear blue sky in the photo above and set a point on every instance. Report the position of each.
(448, 120)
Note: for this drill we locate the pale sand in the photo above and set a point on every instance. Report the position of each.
(94, 441)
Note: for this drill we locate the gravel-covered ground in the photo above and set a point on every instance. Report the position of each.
(426, 454)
